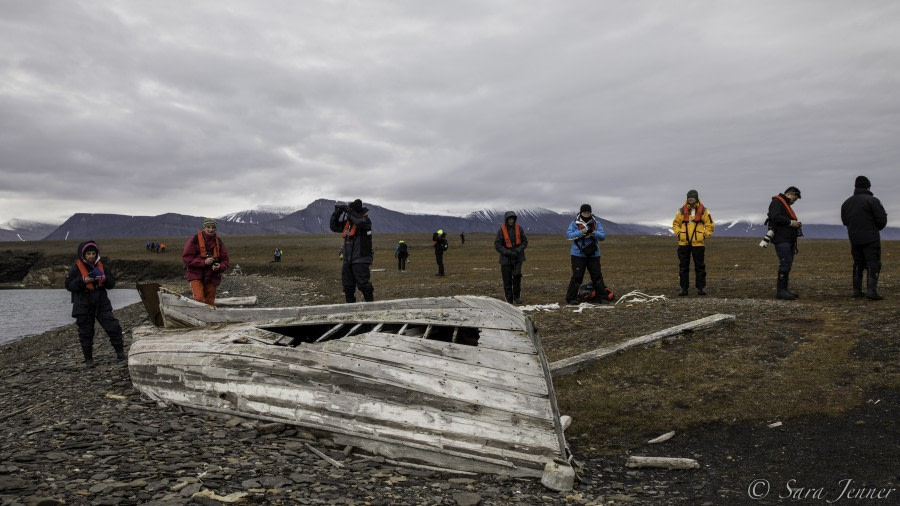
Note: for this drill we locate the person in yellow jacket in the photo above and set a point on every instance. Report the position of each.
(692, 225)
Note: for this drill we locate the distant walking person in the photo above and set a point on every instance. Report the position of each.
(277, 254)
(864, 217)
(402, 253)
(353, 223)
(782, 220)
(441, 245)
(462, 237)
(88, 281)
(205, 259)
(585, 233)
(692, 225)
(511, 243)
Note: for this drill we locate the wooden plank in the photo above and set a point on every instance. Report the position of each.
(249, 300)
(578, 362)
(518, 363)
(313, 402)
(309, 359)
(476, 373)
(332, 331)
(469, 310)
(514, 341)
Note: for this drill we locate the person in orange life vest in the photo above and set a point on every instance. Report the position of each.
(205, 259)
(88, 281)
(511, 243)
(692, 225)
(782, 220)
(585, 233)
(353, 223)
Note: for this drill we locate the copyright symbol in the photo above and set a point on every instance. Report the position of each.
(758, 489)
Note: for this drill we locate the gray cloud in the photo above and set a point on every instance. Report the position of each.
(212, 107)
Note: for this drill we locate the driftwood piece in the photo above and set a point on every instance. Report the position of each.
(578, 362)
(662, 462)
(661, 439)
(249, 300)
(324, 457)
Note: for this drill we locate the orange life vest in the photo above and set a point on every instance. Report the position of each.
(698, 213)
(202, 244)
(82, 267)
(787, 206)
(349, 231)
(509, 243)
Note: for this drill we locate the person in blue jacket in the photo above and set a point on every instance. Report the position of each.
(585, 232)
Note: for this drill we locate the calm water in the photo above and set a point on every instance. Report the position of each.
(27, 312)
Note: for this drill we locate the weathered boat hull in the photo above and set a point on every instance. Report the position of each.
(456, 382)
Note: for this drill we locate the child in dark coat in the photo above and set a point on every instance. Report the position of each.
(88, 281)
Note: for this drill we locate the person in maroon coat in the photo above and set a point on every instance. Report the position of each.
(205, 259)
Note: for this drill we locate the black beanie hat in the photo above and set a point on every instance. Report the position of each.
(585, 208)
(862, 182)
(356, 206)
(693, 193)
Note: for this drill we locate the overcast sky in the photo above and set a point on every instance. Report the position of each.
(211, 107)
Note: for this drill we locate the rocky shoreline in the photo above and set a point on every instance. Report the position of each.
(77, 436)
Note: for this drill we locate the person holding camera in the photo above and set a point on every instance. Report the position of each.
(205, 258)
(864, 217)
(353, 223)
(440, 245)
(585, 233)
(511, 243)
(692, 225)
(782, 220)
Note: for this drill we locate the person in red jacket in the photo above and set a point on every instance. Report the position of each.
(205, 259)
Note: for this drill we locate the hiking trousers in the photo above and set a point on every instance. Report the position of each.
(579, 264)
(685, 253)
(355, 276)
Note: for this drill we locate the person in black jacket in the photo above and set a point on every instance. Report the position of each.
(353, 223)
(511, 243)
(88, 280)
(440, 244)
(783, 221)
(864, 217)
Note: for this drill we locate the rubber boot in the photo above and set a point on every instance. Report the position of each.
(872, 286)
(684, 281)
(88, 357)
(782, 292)
(787, 285)
(369, 296)
(857, 282)
(120, 351)
(517, 289)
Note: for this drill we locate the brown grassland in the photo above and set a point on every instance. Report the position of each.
(821, 355)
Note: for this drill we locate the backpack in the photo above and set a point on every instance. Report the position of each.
(403, 250)
(587, 293)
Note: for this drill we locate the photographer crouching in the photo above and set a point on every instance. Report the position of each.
(353, 223)
(205, 259)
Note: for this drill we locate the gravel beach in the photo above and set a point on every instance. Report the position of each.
(77, 436)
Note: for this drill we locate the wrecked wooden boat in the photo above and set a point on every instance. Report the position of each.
(459, 383)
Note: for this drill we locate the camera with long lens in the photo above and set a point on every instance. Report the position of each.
(767, 238)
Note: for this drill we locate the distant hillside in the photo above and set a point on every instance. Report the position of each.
(811, 231)
(315, 217)
(23, 230)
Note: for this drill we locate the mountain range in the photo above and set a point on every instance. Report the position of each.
(314, 219)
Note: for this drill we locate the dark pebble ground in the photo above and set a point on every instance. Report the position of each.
(74, 436)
